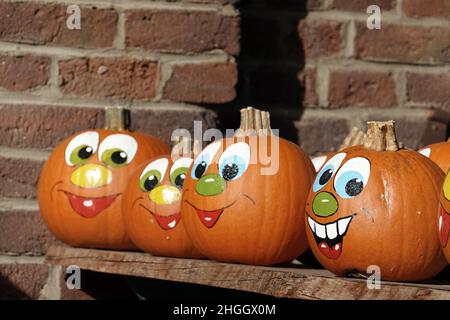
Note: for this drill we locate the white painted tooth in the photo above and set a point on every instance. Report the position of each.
(208, 218)
(88, 203)
(320, 231)
(172, 224)
(343, 224)
(440, 223)
(311, 224)
(332, 230)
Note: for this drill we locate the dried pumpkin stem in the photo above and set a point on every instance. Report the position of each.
(381, 136)
(254, 122)
(185, 147)
(116, 118)
(354, 138)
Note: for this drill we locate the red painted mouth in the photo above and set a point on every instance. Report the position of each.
(168, 222)
(209, 218)
(89, 207)
(332, 252)
(444, 226)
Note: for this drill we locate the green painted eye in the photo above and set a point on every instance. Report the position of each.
(115, 157)
(81, 154)
(150, 180)
(177, 177)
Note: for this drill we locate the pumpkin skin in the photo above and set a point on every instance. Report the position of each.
(444, 217)
(438, 153)
(255, 218)
(152, 215)
(391, 223)
(80, 201)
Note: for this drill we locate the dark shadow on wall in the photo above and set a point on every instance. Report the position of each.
(271, 58)
(9, 291)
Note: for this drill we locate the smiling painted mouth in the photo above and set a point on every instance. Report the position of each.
(165, 222)
(444, 226)
(329, 237)
(209, 217)
(89, 207)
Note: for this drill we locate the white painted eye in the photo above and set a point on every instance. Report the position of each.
(352, 177)
(117, 149)
(318, 162)
(204, 159)
(178, 171)
(81, 147)
(153, 174)
(159, 165)
(181, 163)
(234, 161)
(328, 170)
(426, 152)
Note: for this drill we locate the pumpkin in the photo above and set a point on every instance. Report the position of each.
(81, 184)
(444, 217)
(240, 207)
(152, 205)
(439, 153)
(376, 204)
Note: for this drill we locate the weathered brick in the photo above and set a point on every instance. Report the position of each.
(315, 4)
(320, 134)
(41, 23)
(181, 31)
(19, 177)
(320, 37)
(361, 89)
(41, 126)
(426, 8)
(361, 5)
(405, 44)
(18, 73)
(202, 83)
(24, 232)
(428, 89)
(307, 80)
(109, 77)
(22, 281)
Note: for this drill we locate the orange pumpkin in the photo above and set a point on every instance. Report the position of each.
(152, 207)
(81, 185)
(376, 205)
(439, 153)
(237, 208)
(444, 217)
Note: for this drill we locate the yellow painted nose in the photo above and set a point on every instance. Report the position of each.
(165, 195)
(446, 186)
(91, 176)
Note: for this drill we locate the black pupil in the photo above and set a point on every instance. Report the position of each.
(85, 152)
(354, 187)
(325, 177)
(179, 180)
(200, 170)
(230, 171)
(119, 157)
(150, 183)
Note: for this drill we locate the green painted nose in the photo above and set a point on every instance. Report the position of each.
(210, 185)
(325, 204)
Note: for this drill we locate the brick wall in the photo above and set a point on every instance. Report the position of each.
(165, 60)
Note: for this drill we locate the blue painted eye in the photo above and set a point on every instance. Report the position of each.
(234, 161)
(352, 177)
(327, 172)
(203, 160)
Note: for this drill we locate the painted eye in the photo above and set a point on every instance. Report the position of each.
(426, 152)
(327, 171)
(234, 161)
(203, 160)
(178, 171)
(81, 148)
(352, 177)
(318, 162)
(153, 174)
(117, 150)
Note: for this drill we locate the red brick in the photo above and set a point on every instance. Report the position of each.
(40, 23)
(24, 233)
(202, 83)
(429, 90)
(18, 73)
(315, 4)
(109, 77)
(307, 80)
(362, 5)
(320, 37)
(426, 8)
(406, 44)
(22, 281)
(19, 177)
(182, 31)
(361, 89)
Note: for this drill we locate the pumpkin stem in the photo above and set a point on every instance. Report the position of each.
(185, 147)
(381, 136)
(117, 118)
(254, 122)
(354, 138)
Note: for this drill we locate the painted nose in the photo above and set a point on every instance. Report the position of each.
(91, 176)
(325, 204)
(165, 195)
(210, 185)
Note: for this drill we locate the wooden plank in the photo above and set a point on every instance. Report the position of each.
(293, 281)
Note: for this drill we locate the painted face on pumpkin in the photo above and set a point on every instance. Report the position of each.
(444, 212)
(337, 181)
